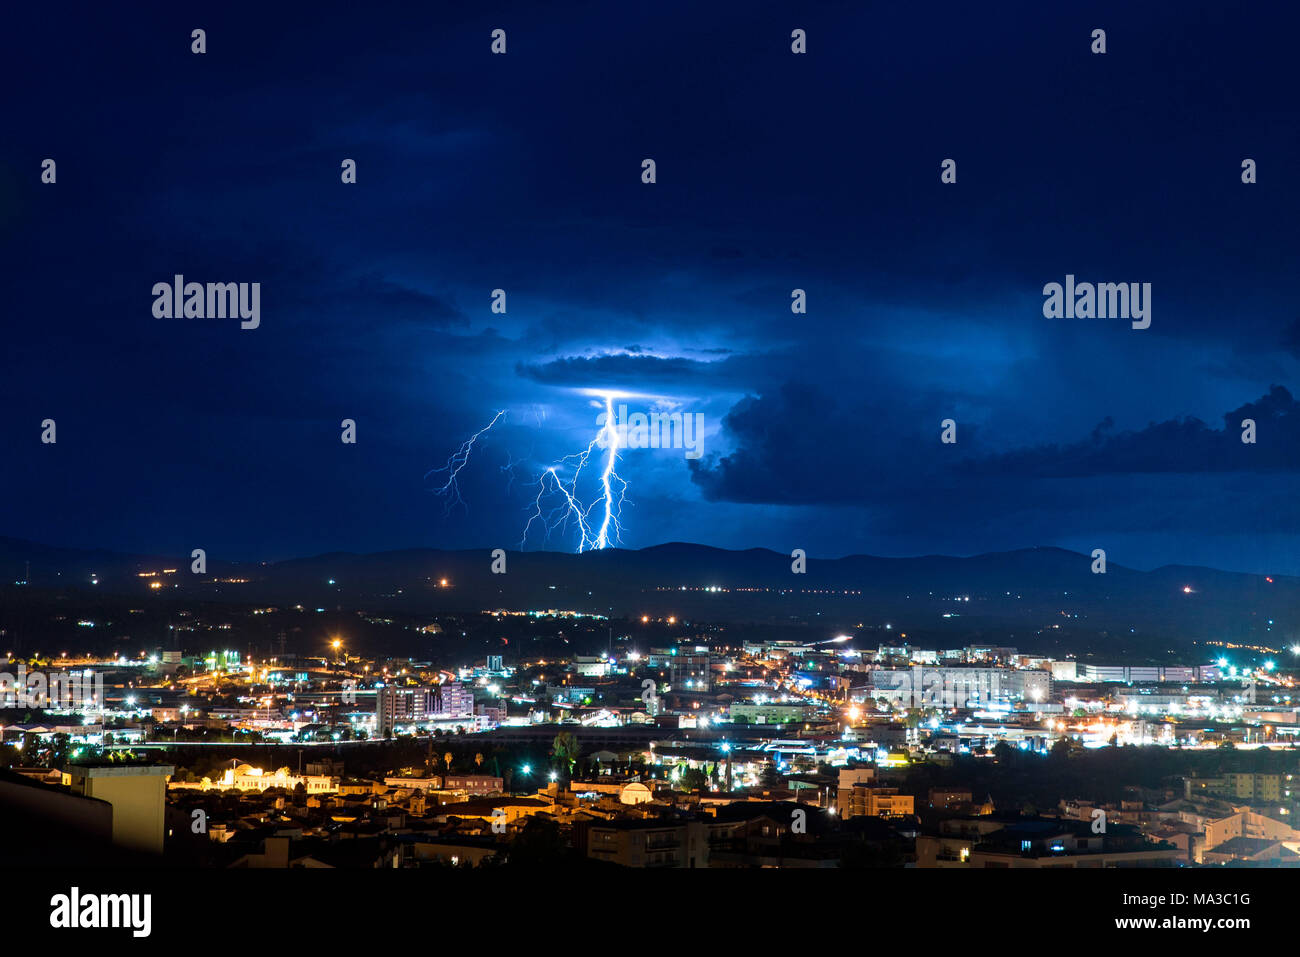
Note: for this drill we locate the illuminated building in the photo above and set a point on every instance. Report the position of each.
(245, 777)
(769, 713)
(690, 672)
(413, 706)
(137, 794)
(646, 843)
(871, 801)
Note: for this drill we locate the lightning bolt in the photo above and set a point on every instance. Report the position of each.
(509, 468)
(593, 533)
(560, 506)
(455, 462)
(608, 477)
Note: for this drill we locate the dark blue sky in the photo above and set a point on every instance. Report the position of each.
(775, 171)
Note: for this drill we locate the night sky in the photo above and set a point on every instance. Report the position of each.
(775, 171)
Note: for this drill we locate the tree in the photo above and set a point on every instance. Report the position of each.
(1064, 749)
(446, 759)
(694, 779)
(566, 749)
(770, 779)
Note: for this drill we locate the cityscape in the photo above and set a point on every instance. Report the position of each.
(257, 736)
(496, 474)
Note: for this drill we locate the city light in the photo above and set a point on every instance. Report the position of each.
(907, 486)
(807, 714)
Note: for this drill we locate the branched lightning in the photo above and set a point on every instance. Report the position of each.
(455, 462)
(559, 502)
(509, 468)
(596, 533)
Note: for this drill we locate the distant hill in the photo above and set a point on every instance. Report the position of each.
(1036, 591)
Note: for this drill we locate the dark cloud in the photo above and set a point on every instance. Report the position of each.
(375, 296)
(1291, 338)
(478, 172)
(1181, 445)
(615, 370)
(803, 445)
